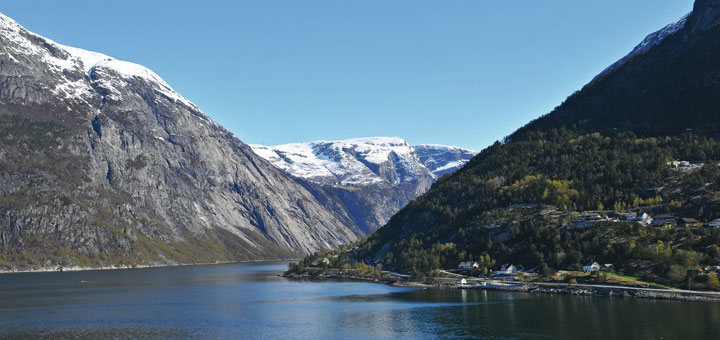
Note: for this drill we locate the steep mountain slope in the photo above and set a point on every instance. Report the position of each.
(652, 40)
(442, 160)
(606, 149)
(664, 88)
(102, 162)
(373, 177)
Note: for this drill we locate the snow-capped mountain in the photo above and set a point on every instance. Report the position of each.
(65, 62)
(365, 161)
(103, 161)
(374, 177)
(443, 159)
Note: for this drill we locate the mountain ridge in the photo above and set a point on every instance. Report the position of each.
(374, 176)
(312, 160)
(622, 102)
(105, 164)
(562, 190)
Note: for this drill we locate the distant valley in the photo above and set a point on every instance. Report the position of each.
(640, 139)
(103, 164)
(372, 177)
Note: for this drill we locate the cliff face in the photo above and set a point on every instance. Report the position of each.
(102, 162)
(373, 178)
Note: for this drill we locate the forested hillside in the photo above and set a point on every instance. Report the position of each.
(605, 150)
(518, 203)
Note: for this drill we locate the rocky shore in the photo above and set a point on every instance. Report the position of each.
(532, 287)
(119, 267)
(629, 292)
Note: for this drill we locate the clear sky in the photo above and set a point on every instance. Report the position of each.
(462, 73)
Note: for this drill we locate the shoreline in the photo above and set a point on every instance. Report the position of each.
(539, 288)
(60, 269)
(398, 281)
(600, 290)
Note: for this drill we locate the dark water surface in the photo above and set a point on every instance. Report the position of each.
(249, 301)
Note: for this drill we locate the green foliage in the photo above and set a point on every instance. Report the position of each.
(712, 281)
(606, 147)
(544, 269)
(563, 173)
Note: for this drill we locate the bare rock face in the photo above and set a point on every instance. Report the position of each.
(442, 160)
(103, 163)
(372, 177)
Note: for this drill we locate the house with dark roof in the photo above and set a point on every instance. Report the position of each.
(688, 222)
(664, 219)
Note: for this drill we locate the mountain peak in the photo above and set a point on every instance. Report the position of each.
(705, 13)
(365, 161)
(356, 161)
(705, 4)
(62, 59)
(130, 151)
(374, 177)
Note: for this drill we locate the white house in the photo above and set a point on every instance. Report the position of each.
(592, 267)
(633, 216)
(643, 218)
(462, 281)
(506, 270)
(468, 265)
(714, 223)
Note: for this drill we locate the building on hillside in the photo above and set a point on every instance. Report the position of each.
(685, 165)
(664, 219)
(591, 267)
(688, 222)
(587, 217)
(506, 269)
(587, 220)
(636, 216)
(678, 164)
(714, 223)
(643, 218)
(469, 265)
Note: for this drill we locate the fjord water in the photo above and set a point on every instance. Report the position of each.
(250, 301)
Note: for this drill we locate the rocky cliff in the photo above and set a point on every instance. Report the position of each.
(102, 162)
(372, 177)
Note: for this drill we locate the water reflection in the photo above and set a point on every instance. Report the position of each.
(249, 301)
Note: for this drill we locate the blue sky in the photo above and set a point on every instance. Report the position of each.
(461, 73)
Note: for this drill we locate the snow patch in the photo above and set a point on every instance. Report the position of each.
(65, 58)
(650, 41)
(358, 161)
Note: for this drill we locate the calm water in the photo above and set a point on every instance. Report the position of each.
(249, 301)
